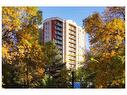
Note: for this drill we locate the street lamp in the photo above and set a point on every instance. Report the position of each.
(72, 75)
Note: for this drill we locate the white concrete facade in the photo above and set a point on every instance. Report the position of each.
(75, 44)
(81, 46)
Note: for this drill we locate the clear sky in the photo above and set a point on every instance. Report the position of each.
(76, 14)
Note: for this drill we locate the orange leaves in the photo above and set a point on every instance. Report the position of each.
(40, 71)
(13, 17)
(4, 50)
(32, 11)
(20, 47)
(109, 55)
(113, 53)
(10, 18)
(90, 25)
(21, 51)
(115, 25)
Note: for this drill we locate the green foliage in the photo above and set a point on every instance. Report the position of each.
(86, 74)
(55, 68)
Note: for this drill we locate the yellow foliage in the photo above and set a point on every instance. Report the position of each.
(107, 39)
(24, 48)
(113, 53)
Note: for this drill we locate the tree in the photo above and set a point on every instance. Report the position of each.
(107, 39)
(22, 55)
(55, 68)
(114, 12)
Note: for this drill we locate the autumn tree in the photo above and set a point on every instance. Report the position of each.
(107, 39)
(22, 55)
(114, 12)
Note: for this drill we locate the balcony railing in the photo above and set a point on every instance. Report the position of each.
(72, 33)
(72, 52)
(72, 41)
(72, 28)
(58, 28)
(59, 24)
(72, 57)
(72, 46)
(72, 38)
(59, 42)
(73, 49)
(59, 38)
(59, 33)
(72, 60)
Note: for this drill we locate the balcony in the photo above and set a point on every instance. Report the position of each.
(73, 49)
(72, 57)
(72, 52)
(72, 29)
(72, 46)
(72, 33)
(58, 28)
(72, 41)
(59, 42)
(72, 38)
(59, 33)
(72, 60)
(59, 25)
(59, 38)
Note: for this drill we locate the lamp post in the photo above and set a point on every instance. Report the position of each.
(72, 79)
(73, 76)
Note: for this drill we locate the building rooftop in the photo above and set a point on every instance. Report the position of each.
(53, 18)
(58, 18)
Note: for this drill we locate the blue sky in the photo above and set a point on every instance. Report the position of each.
(76, 14)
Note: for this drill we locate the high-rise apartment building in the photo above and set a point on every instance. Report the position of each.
(69, 38)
